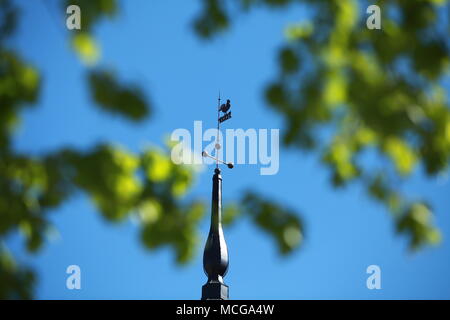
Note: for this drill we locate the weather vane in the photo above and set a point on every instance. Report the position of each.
(215, 255)
(226, 115)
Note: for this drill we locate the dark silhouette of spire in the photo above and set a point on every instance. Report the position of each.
(215, 256)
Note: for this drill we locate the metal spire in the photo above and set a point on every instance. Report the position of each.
(215, 256)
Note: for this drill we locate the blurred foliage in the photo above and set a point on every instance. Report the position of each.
(213, 18)
(281, 223)
(93, 11)
(370, 90)
(114, 97)
(30, 187)
(377, 90)
(147, 186)
(15, 282)
(86, 48)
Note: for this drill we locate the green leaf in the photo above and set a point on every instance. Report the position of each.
(280, 223)
(86, 47)
(417, 223)
(112, 96)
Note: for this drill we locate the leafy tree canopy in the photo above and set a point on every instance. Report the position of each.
(378, 90)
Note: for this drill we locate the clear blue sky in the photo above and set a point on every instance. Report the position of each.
(152, 42)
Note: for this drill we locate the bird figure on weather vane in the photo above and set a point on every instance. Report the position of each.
(225, 107)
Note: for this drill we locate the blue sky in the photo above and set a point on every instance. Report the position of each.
(152, 42)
